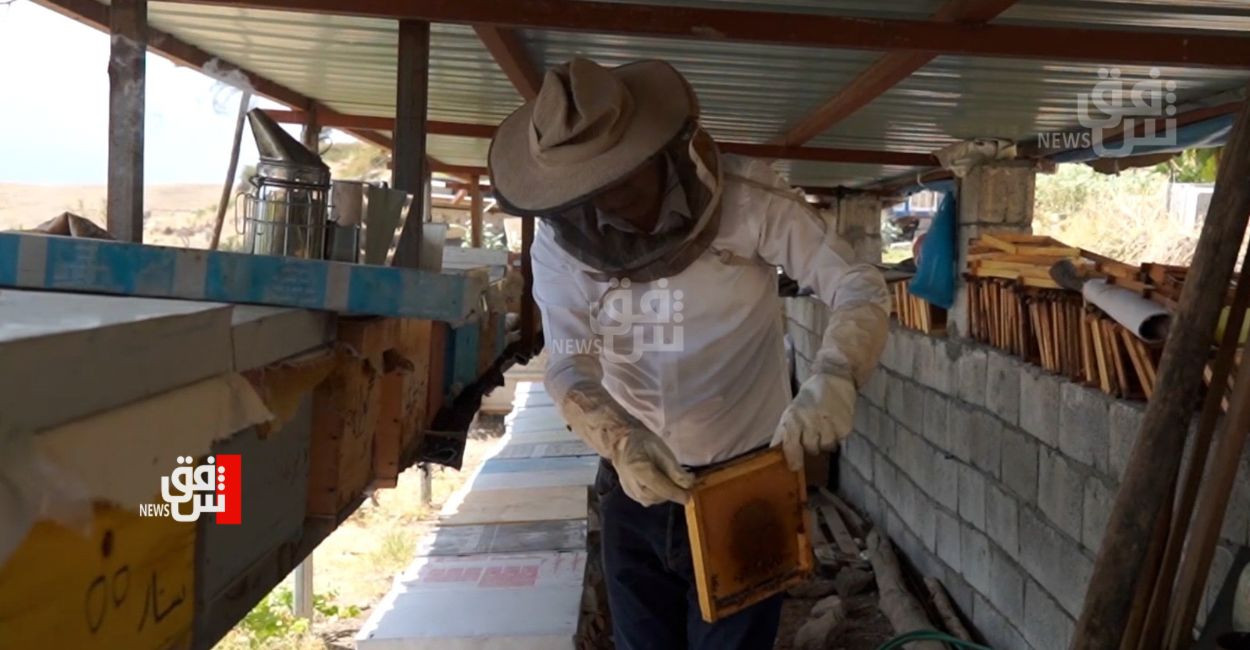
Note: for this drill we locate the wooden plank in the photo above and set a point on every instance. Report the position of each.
(475, 212)
(1061, 252)
(346, 408)
(994, 241)
(748, 532)
(1139, 365)
(128, 21)
(128, 583)
(1113, 343)
(506, 48)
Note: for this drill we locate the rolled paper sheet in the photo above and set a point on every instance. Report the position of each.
(1143, 317)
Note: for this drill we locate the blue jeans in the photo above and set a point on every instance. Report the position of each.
(650, 579)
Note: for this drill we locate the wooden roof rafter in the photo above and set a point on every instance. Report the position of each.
(883, 74)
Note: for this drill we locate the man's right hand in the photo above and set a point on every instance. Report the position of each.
(649, 472)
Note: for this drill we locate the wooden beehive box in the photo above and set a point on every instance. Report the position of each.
(748, 532)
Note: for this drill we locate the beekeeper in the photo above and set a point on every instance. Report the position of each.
(655, 267)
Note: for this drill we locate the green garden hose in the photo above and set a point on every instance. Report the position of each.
(930, 635)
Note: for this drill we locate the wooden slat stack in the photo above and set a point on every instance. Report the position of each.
(1015, 306)
(916, 313)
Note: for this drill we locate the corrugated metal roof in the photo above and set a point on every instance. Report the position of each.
(748, 92)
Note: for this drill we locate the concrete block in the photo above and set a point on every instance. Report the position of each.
(1237, 514)
(1002, 519)
(999, 193)
(887, 479)
(947, 529)
(934, 429)
(1039, 404)
(894, 526)
(859, 453)
(896, 387)
(859, 422)
(986, 440)
(1046, 625)
(972, 496)
(974, 549)
(996, 628)
(1099, 498)
(1019, 464)
(1002, 386)
(904, 349)
(887, 435)
(971, 371)
(960, 591)
(889, 353)
(959, 430)
(1125, 421)
(924, 521)
(905, 451)
(1083, 425)
(1221, 563)
(1054, 561)
(875, 389)
(945, 481)
(1061, 491)
(912, 416)
(933, 366)
(1006, 584)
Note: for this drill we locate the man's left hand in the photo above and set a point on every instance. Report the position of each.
(818, 418)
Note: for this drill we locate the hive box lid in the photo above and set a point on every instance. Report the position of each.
(123, 268)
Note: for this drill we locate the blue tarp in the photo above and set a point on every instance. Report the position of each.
(935, 270)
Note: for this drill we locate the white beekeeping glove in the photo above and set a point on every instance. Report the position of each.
(649, 472)
(821, 415)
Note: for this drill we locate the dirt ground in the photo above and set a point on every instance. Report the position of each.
(354, 567)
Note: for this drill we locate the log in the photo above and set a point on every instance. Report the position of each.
(1156, 457)
(1213, 404)
(853, 521)
(950, 618)
(897, 603)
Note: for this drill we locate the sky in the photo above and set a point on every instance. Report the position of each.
(54, 108)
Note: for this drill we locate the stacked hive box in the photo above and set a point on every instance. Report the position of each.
(510, 564)
(1014, 305)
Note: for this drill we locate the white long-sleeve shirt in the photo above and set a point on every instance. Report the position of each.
(698, 357)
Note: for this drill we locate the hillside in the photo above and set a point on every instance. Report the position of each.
(178, 215)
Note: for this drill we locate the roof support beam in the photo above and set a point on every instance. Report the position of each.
(794, 29)
(506, 48)
(884, 74)
(817, 154)
(409, 172)
(128, 23)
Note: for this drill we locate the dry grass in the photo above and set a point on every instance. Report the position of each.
(1123, 217)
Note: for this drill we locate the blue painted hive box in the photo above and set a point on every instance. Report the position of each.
(95, 266)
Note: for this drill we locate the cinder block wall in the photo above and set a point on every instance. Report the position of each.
(991, 475)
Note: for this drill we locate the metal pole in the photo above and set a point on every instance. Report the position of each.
(304, 588)
(231, 169)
